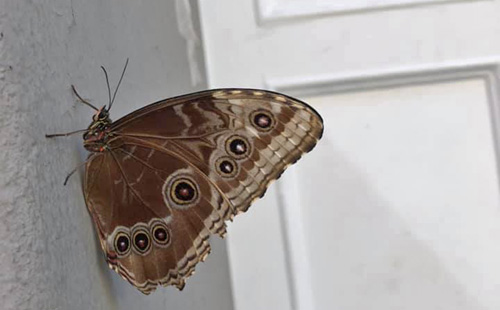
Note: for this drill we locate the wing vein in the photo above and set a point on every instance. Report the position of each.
(130, 187)
(113, 193)
(93, 180)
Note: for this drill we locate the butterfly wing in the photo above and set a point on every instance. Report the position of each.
(145, 241)
(179, 168)
(199, 125)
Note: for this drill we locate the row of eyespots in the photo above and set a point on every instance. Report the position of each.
(239, 147)
(141, 239)
(183, 191)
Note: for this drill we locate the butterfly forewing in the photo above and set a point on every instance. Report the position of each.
(174, 171)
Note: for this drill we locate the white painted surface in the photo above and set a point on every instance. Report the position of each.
(414, 218)
(398, 206)
(49, 257)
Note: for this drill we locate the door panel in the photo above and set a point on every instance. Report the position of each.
(402, 211)
(397, 207)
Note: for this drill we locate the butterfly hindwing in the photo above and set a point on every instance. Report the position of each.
(124, 207)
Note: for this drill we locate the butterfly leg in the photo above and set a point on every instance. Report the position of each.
(76, 131)
(64, 134)
(73, 171)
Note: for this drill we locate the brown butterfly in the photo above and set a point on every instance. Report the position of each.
(162, 179)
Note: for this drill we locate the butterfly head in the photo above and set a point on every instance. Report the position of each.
(97, 134)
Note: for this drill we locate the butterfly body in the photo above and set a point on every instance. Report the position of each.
(95, 139)
(161, 180)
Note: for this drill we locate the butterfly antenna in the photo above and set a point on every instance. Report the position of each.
(118, 86)
(107, 83)
(81, 99)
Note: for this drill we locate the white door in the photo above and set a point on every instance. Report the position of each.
(398, 206)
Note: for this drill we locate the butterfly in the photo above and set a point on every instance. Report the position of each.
(162, 179)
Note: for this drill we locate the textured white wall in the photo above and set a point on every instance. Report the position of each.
(49, 257)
